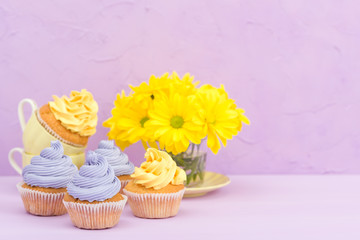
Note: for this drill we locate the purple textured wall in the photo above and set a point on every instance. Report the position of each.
(293, 65)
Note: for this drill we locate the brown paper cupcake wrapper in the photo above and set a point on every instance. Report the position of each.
(42, 203)
(95, 216)
(54, 134)
(154, 205)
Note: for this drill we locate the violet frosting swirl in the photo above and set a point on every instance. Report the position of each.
(95, 181)
(51, 169)
(118, 160)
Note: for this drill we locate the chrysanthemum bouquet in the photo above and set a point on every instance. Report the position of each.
(173, 114)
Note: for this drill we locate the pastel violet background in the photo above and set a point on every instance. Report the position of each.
(293, 65)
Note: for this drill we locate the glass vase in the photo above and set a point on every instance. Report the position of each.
(193, 161)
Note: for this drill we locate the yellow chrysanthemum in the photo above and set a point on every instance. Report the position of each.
(208, 87)
(127, 124)
(218, 115)
(241, 117)
(158, 87)
(121, 102)
(173, 112)
(172, 121)
(185, 85)
(146, 93)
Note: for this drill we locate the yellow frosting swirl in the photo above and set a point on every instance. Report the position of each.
(78, 113)
(158, 170)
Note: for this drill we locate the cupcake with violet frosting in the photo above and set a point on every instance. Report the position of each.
(118, 160)
(93, 200)
(157, 186)
(45, 181)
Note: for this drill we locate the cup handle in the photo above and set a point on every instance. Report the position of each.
(21, 110)
(12, 161)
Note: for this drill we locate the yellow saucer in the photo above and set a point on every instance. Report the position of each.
(212, 181)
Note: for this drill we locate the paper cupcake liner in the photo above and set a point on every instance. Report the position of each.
(154, 205)
(42, 203)
(123, 185)
(54, 134)
(95, 216)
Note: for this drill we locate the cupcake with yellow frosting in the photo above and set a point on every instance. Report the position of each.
(157, 186)
(72, 119)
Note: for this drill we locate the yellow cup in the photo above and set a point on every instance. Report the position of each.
(78, 159)
(26, 159)
(35, 136)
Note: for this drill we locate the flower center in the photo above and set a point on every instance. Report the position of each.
(152, 96)
(177, 122)
(143, 120)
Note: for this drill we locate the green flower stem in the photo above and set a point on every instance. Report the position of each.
(193, 163)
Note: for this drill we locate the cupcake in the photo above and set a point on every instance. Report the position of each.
(157, 186)
(118, 160)
(93, 200)
(70, 119)
(45, 181)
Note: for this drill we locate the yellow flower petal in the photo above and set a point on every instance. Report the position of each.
(213, 142)
(218, 116)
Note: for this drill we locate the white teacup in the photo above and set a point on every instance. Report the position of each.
(78, 159)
